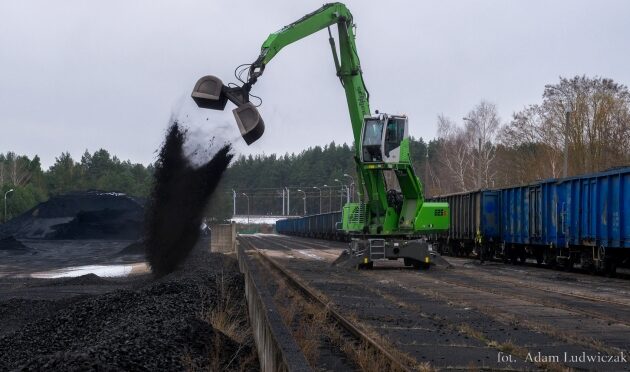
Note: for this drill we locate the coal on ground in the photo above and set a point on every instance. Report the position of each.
(193, 319)
(101, 224)
(137, 247)
(87, 279)
(10, 244)
(175, 208)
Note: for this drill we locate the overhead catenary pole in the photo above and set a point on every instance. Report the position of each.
(426, 173)
(320, 198)
(247, 207)
(350, 188)
(351, 192)
(283, 202)
(233, 203)
(347, 192)
(288, 202)
(565, 164)
(329, 198)
(479, 171)
(304, 199)
(340, 193)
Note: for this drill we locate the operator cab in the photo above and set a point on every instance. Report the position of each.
(381, 138)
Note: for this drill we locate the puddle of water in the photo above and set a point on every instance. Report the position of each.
(107, 271)
(308, 254)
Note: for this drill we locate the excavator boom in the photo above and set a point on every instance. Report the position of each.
(389, 213)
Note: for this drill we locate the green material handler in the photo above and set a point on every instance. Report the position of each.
(391, 216)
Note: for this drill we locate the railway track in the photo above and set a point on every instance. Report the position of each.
(382, 354)
(521, 283)
(548, 286)
(466, 302)
(621, 273)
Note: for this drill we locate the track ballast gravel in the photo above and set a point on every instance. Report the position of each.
(153, 325)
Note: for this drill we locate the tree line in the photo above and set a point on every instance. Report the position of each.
(587, 118)
(315, 179)
(95, 171)
(260, 177)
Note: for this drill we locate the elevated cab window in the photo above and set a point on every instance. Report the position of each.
(394, 134)
(372, 137)
(373, 133)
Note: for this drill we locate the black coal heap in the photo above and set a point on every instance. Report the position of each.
(90, 214)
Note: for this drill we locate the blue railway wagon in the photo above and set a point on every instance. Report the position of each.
(323, 226)
(284, 226)
(474, 219)
(581, 219)
(594, 218)
(529, 213)
(597, 209)
(528, 219)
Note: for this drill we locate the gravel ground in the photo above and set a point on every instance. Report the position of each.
(138, 324)
(466, 316)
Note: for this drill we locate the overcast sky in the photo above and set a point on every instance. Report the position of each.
(77, 75)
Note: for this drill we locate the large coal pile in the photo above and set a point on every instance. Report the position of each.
(103, 224)
(80, 215)
(163, 325)
(10, 244)
(135, 248)
(180, 194)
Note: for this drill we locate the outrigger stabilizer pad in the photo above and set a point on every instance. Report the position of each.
(210, 93)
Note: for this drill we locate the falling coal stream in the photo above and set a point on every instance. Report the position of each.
(175, 208)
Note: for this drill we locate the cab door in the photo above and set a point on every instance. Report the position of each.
(395, 133)
(372, 140)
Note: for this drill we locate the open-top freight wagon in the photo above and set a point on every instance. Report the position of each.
(582, 219)
(474, 223)
(320, 226)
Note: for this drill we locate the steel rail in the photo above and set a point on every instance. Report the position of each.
(515, 281)
(568, 294)
(550, 302)
(343, 321)
(544, 266)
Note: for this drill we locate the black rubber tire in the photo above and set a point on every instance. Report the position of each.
(419, 265)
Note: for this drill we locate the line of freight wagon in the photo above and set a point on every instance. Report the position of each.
(582, 220)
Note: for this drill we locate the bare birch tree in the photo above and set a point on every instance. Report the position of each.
(482, 124)
(597, 134)
(455, 152)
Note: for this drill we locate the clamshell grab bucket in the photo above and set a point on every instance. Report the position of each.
(249, 122)
(208, 93)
